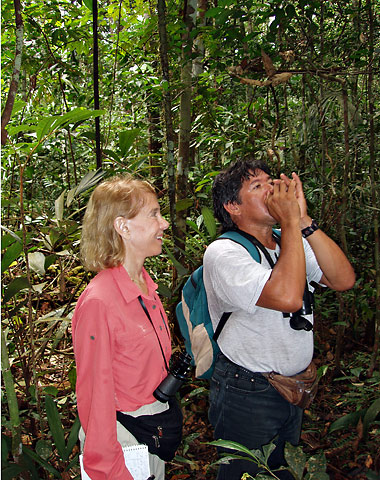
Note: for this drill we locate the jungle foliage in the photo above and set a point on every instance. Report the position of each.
(174, 92)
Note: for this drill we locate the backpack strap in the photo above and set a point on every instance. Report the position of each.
(250, 243)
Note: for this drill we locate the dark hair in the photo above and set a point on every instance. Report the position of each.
(227, 185)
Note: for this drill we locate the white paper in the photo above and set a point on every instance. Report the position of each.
(136, 459)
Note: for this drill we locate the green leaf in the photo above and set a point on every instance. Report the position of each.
(209, 220)
(50, 390)
(21, 128)
(11, 472)
(59, 206)
(183, 204)
(88, 4)
(73, 437)
(317, 464)
(44, 449)
(88, 181)
(296, 460)
(370, 416)
(17, 106)
(10, 255)
(126, 139)
(4, 449)
(56, 428)
(45, 126)
(14, 287)
(231, 445)
(164, 290)
(41, 461)
(182, 271)
(346, 421)
(72, 375)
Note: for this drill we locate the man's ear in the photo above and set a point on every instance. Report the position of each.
(232, 208)
(120, 225)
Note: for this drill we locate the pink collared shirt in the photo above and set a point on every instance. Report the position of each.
(119, 363)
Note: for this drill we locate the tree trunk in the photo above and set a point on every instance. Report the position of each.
(185, 120)
(167, 104)
(374, 190)
(7, 112)
(96, 80)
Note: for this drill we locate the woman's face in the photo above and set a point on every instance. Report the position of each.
(145, 230)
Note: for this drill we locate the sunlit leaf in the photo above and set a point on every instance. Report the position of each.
(37, 262)
(59, 206)
(209, 221)
(126, 139)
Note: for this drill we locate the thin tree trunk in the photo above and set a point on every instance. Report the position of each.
(374, 190)
(185, 120)
(96, 80)
(167, 104)
(14, 414)
(7, 112)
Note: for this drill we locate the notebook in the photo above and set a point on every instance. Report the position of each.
(136, 459)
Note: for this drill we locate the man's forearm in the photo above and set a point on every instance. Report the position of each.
(338, 273)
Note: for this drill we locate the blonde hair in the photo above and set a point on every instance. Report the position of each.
(101, 246)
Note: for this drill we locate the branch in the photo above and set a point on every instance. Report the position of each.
(7, 112)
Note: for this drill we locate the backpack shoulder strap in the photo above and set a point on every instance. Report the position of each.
(237, 237)
(255, 254)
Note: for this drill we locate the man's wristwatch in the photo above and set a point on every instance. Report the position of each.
(310, 229)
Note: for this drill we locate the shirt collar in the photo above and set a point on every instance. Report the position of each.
(128, 289)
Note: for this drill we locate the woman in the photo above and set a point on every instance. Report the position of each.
(118, 357)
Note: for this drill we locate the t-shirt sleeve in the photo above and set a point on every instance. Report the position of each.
(237, 278)
(313, 270)
(102, 456)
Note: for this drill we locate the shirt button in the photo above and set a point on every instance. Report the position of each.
(160, 327)
(154, 307)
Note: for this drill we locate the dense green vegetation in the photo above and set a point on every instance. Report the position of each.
(175, 97)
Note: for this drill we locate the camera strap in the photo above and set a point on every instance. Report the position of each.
(155, 331)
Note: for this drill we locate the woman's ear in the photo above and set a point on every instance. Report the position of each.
(120, 225)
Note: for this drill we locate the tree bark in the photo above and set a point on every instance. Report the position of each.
(167, 104)
(96, 80)
(7, 112)
(374, 195)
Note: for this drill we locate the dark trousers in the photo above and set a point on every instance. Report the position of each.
(246, 409)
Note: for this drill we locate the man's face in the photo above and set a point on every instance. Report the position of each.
(253, 195)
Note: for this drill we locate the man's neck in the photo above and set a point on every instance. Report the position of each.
(263, 233)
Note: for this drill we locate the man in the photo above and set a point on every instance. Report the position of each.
(258, 337)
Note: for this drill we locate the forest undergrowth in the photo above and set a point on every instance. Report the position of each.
(336, 423)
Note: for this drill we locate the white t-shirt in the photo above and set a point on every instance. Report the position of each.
(255, 338)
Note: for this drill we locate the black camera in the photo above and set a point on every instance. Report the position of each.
(297, 321)
(178, 373)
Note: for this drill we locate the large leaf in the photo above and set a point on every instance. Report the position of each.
(14, 287)
(12, 472)
(370, 416)
(56, 428)
(209, 220)
(37, 262)
(47, 466)
(126, 139)
(296, 460)
(48, 125)
(346, 421)
(73, 437)
(88, 181)
(10, 255)
(59, 206)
